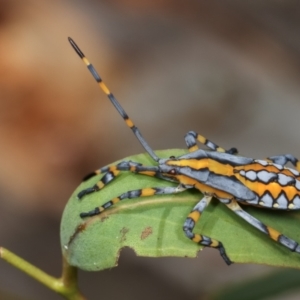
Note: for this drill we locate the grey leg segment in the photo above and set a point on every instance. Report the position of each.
(272, 233)
(134, 194)
(192, 137)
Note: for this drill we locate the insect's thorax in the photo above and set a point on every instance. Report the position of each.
(210, 172)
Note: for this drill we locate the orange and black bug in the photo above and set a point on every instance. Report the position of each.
(216, 173)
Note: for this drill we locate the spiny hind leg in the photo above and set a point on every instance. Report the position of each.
(284, 159)
(271, 232)
(111, 172)
(200, 239)
(192, 137)
(134, 194)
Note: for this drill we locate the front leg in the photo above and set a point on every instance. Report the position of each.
(112, 172)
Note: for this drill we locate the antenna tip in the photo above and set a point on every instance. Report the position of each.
(76, 48)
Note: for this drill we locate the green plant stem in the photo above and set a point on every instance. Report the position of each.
(66, 285)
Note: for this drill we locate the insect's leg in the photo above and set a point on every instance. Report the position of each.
(106, 169)
(271, 232)
(134, 194)
(284, 159)
(192, 137)
(203, 240)
(111, 172)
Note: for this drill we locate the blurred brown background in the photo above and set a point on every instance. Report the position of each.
(229, 70)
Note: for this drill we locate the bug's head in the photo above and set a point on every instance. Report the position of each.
(169, 167)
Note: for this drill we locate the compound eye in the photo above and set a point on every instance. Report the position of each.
(172, 157)
(172, 172)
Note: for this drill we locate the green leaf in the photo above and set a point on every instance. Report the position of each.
(152, 226)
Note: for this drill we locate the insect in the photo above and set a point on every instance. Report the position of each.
(215, 173)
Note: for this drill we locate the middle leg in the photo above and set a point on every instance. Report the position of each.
(200, 239)
(132, 195)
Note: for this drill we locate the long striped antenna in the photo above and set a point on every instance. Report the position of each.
(114, 101)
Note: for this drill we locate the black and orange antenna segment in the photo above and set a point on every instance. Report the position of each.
(114, 101)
